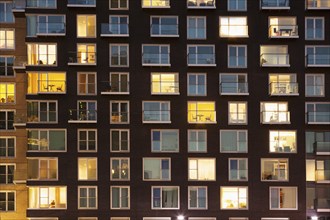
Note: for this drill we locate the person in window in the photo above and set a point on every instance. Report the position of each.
(52, 204)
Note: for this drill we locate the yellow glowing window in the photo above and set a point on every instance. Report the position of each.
(47, 197)
(42, 54)
(51, 82)
(86, 26)
(234, 197)
(164, 83)
(86, 53)
(155, 3)
(7, 93)
(201, 169)
(201, 112)
(87, 168)
(233, 27)
(275, 112)
(282, 141)
(7, 39)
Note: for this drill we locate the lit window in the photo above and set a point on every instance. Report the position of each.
(314, 28)
(86, 25)
(314, 85)
(164, 26)
(196, 27)
(120, 169)
(197, 197)
(201, 169)
(237, 113)
(7, 38)
(86, 111)
(157, 169)
(274, 56)
(283, 84)
(165, 197)
(197, 141)
(87, 140)
(275, 169)
(119, 55)
(7, 93)
(42, 54)
(274, 113)
(156, 111)
(6, 12)
(201, 55)
(318, 113)
(7, 201)
(87, 197)
(236, 5)
(201, 112)
(117, 26)
(119, 140)
(237, 56)
(165, 141)
(119, 112)
(42, 111)
(7, 173)
(6, 66)
(155, 3)
(47, 197)
(283, 198)
(46, 140)
(164, 83)
(119, 4)
(233, 84)
(282, 141)
(318, 4)
(41, 3)
(233, 141)
(202, 4)
(156, 55)
(238, 169)
(42, 168)
(197, 84)
(46, 82)
(318, 56)
(7, 120)
(85, 55)
(120, 197)
(7, 146)
(87, 168)
(233, 27)
(283, 27)
(86, 83)
(234, 197)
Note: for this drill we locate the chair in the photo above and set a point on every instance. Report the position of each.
(45, 87)
(208, 118)
(59, 88)
(191, 3)
(210, 3)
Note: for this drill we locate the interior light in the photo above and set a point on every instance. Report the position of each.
(315, 218)
(180, 217)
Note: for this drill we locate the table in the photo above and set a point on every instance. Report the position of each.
(51, 87)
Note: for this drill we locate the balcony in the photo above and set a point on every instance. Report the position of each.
(202, 116)
(234, 88)
(317, 4)
(275, 4)
(155, 3)
(20, 120)
(51, 29)
(82, 58)
(164, 30)
(156, 116)
(20, 176)
(156, 59)
(322, 176)
(322, 204)
(81, 3)
(115, 87)
(318, 118)
(51, 86)
(275, 117)
(318, 60)
(114, 30)
(283, 88)
(41, 3)
(322, 148)
(201, 59)
(201, 4)
(82, 116)
(274, 60)
(19, 8)
(283, 31)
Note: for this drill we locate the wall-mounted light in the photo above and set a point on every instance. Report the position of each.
(315, 218)
(180, 217)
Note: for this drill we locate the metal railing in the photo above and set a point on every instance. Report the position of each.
(82, 115)
(115, 86)
(165, 87)
(237, 117)
(51, 28)
(274, 59)
(233, 87)
(164, 29)
(201, 58)
(41, 3)
(82, 2)
(200, 3)
(318, 59)
(286, 30)
(322, 203)
(44, 59)
(82, 57)
(115, 29)
(282, 88)
(201, 116)
(240, 174)
(156, 115)
(322, 147)
(270, 117)
(315, 4)
(41, 116)
(275, 3)
(156, 3)
(155, 58)
(318, 117)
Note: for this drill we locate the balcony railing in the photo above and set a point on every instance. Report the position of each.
(49, 116)
(275, 4)
(82, 116)
(232, 88)
(119, 117)
(201, 4)
(20, 119)
(81, 3)
(275, 117)
(274, 60)
(322, 204)
(283, 148)
(155, 3)
(240, 174)
(322, 175)
(322, 148)
(115, 87)
(165, 87)
(82, 58)
(283, 31)
(156, 59)
(280, 175)
(318, 60)
(202, 116)
(318, 117)
(167, 30)
(41, 3)
(283, 88)
(114, 30)
(154, 116)
(51, 28)
(51, 86)
(237, 118)
(200, 59)
(19, 6)
(318, 4)
(234, 30)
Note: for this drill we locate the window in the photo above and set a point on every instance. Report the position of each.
(314, 28)
(275, 4)
(86, 83)
(202, 4)
(237, 113)
(6, 120)
(201, 169)
(85, 3)
(233, 27)
(197, 197)
(7, 93)
(155, 3)
(283, 27)
(119, 140)
(119, 83)
(275, 169)
(7, 173)
(318, 56)
(156, 55)
(317, 171)
(314, 85)
(239, 218)
(87, 197)
(42, 168)
(236, 5)
(283, 84)
(46, 25)
(275, 219)
(234, 197)
(274, 56)
(156, 169)
(166, 26)
(233, 141)
(201, 55)
(196, 27)
(318, 113)
(120, 197)
(7, 146)
(119, 4)
(164, 83)
(6, 66)
(42, 54)
(317, 4)
(118, 55)
(197, 141)
(119, 111)
(7, 201)
(283, 198)
(86, 111)
(120, 218)
(46, 140)
(165, 140)
(274, 113)
(238, 169)
(7, 39)
(118, 26)
(197, 84)
(201, 112)
(282, 141)
(87, 140)
(317, 142)
(233, 84)
(87, 168)
(41, 111)
(165, 197)
(154, 111)
(46, 82)
(86, 25)
(6, 12)
(85, 55)
(120, 168)
(46, 197)
(237, 56)
(41, 4)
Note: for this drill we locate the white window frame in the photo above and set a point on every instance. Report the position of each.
(197, 160)
(209, 62)
(6, 47)
(7, 12)
(196, 27)
(119, 82)
(7, 67)
(237, 88)
(7, 121)
(238, 177)
(8, 95)
(161, 204)
(275, 114)
(47, 4)
(160, 48)
(160, 26)
(120, 170)
(86, 27)
(172, 90)
(47, 31)
(236, 7)
(7, 174)
(15, 199)
(323, 28)
(162, 150)
(197, 188)
(47, 160)
(87, 131)
(119, 114)
(118, 25)
(238, 188)
(159, 111)
(48, 112)
(237, 143)
(120, 131)
(237, 114)
(228, 26)
(168, 159)
(35, 46)
(197, 84)
(118, 46)
(87, 116)
(6, 147)
(166, 2)
(86, 159)
(87, 83)
(279, 165)
(314, 64)
(120, 197)
(119, 5)
(197, 140)
(282, 88)
(87, 197)
(211, 4)
(314, 117)
(322, 87)
(39, 141)
(39, 197)
(237, 56)
(277, 141)
(279, 188)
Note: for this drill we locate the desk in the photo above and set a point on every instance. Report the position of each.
(199, 117)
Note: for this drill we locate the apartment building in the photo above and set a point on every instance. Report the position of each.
(164, 109)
